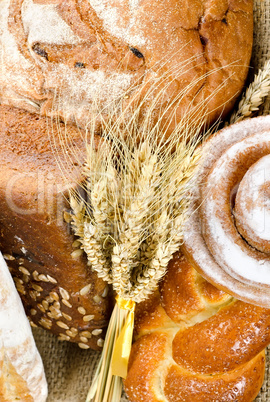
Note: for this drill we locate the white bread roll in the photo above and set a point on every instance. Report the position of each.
(21, 370)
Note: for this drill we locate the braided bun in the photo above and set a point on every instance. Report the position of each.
(195, 343)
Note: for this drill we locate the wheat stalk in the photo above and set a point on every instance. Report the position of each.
(130, 223)
(134, 201)
(254, 95)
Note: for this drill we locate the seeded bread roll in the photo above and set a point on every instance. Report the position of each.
(195, 343)
(57, 57)
(58, 289)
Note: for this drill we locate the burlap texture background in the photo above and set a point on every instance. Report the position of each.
(69, 369)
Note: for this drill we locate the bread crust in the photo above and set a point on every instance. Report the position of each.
(12, 386)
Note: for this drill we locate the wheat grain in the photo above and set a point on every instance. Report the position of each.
(254, 95)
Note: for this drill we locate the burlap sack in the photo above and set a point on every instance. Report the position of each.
(70, 369)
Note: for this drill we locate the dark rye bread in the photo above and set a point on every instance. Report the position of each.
(57, 57)
(58, 289)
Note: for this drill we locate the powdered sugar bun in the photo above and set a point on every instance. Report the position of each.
(21, 370)
(252, 205)
(227, 236)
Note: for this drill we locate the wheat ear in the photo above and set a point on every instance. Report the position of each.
(254, 95)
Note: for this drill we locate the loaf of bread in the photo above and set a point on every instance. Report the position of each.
(227, 237)
(58, 289)
(195, 343)
(22, 376)
(59, 57)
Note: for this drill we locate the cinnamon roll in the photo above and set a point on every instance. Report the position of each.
(228, 234)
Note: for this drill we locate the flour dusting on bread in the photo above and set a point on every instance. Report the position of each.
(42, 23)
(118, 21)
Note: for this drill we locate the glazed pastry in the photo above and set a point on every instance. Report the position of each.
(58, 57)
(58, 289)
(227, 237)
(22, 375)
(195, 343)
